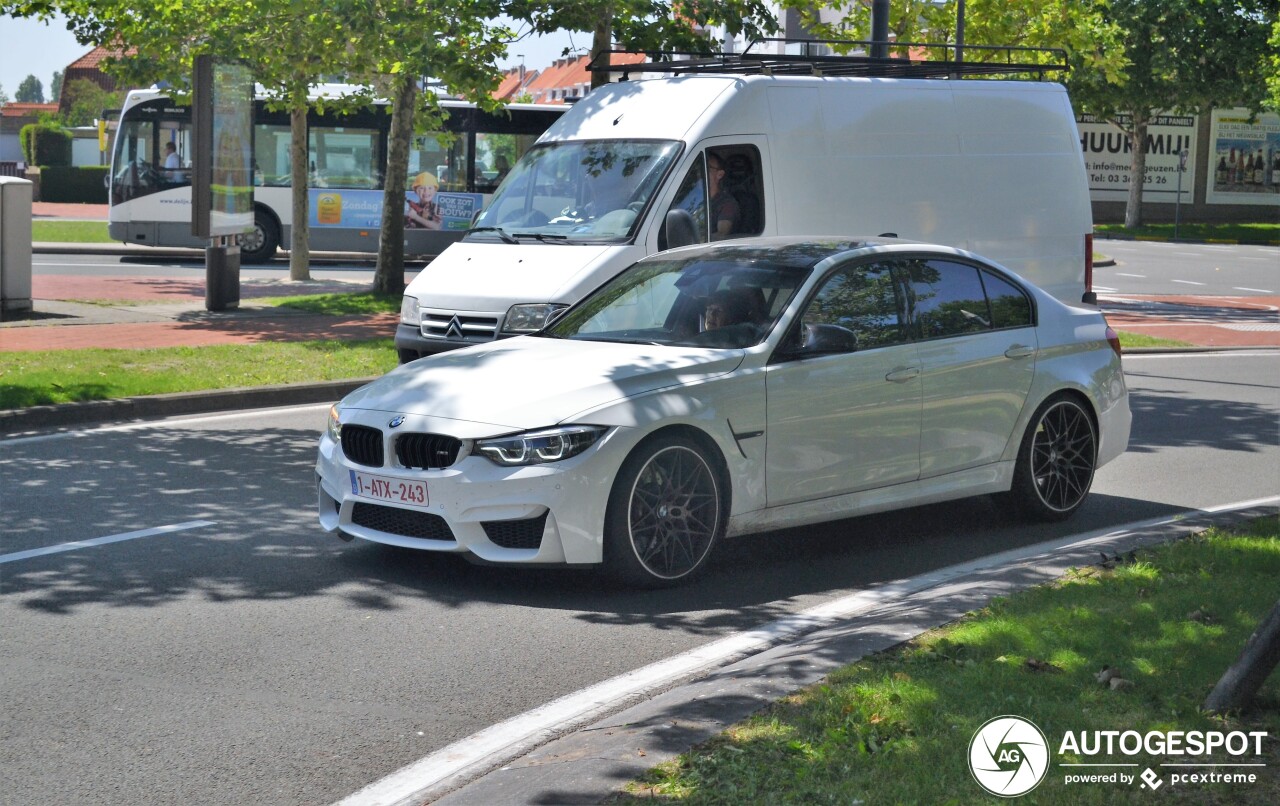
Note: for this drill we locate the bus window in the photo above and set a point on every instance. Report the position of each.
(447, 163)
(496, 154)
(345, 157)
(271, 155)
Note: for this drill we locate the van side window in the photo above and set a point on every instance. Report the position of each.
(723, 193)
(692, 199)
(742, 180)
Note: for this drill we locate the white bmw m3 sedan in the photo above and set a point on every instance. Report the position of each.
(727, 389)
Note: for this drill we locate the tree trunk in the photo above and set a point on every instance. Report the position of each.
(1242, 680)
(388, 278)
(1137, 171)
(299, 239)
(601, 42)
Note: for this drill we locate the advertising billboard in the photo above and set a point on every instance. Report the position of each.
(1244, 158)
(1108, 158)
(222, 168)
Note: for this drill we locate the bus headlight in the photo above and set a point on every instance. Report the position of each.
(529, 318)
(409, 311)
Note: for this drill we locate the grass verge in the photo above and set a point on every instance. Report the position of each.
(1128, 340)
(896, 727)
(341, 304)
(70, 232)
(64, 376)
(1261, 231)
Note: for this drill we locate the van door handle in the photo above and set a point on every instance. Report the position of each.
(1019, 351)
(903, 374)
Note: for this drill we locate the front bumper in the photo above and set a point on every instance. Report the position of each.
(411, 344)
(476, 506)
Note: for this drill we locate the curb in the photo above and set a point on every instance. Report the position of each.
(195, 253)
(147, 407)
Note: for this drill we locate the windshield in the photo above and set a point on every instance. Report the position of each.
(592, 191)
(728, 298)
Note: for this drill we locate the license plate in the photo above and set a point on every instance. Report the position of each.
(382, 488)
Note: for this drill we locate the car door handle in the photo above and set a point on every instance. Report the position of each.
(903, 374)
(1019, 351)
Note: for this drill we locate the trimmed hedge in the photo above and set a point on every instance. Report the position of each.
(45, 144)
(63, 183)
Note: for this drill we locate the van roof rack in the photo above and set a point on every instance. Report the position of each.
(991, 60)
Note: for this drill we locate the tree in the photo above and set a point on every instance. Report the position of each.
(86, 102)
(395, 45)
(30, 91)
(287, 44)
(646, 25)
(4, 98)
(55, 86)
(1184, 56)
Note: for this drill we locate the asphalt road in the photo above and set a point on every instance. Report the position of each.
(1221, 270)
(248, 658)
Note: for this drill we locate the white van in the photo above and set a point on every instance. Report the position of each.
(992, 166)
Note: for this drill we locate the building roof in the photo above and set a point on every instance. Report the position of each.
(514, 82)
(568, 78)
(19, 109)
(88, 67)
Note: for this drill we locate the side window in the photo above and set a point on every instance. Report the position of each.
(1009, 306)
(345, 157)
(743, 182)
(692, 199)
(271, 155)
(495, 154)
(946, 299)
(857, 308)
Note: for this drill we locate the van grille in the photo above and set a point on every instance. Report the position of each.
(404, 522)
(468, 327)
(362, 445)
(427, 451)
(518, 534)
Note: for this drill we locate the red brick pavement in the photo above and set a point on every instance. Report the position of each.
(1200, 321)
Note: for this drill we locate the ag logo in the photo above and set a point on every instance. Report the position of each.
(1008, 756)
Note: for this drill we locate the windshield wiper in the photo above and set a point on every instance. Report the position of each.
(499, 230)
(543, 237)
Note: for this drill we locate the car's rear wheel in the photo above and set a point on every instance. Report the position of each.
(666, 513)
(1056, 461)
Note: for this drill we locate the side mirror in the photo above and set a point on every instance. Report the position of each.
(680, 228)
(815, 340)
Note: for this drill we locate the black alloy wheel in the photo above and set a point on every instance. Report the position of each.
(1057, 460)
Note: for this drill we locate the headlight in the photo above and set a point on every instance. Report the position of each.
(538, 447)
(529, 318)
(334, 428)
(409, 311)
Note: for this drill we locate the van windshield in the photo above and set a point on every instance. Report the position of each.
(582, 192)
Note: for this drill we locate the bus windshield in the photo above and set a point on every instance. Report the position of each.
(590, 192)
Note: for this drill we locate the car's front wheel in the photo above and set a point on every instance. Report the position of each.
(666, 512)
(1056, 461)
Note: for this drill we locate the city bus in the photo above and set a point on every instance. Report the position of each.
(447, 184)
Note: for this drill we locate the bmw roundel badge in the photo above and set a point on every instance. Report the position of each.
(396, 421)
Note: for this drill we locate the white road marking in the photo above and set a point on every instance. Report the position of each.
(507, 740)
(1105, 289)
(168, 422)
(102, 541)
(1259, 290)
(1122, 274)
(1226, 353)
(1187, 282)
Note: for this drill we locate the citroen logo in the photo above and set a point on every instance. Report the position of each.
(454, 329)
(396, 421)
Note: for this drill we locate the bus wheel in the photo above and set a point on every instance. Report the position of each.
(260, 245)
